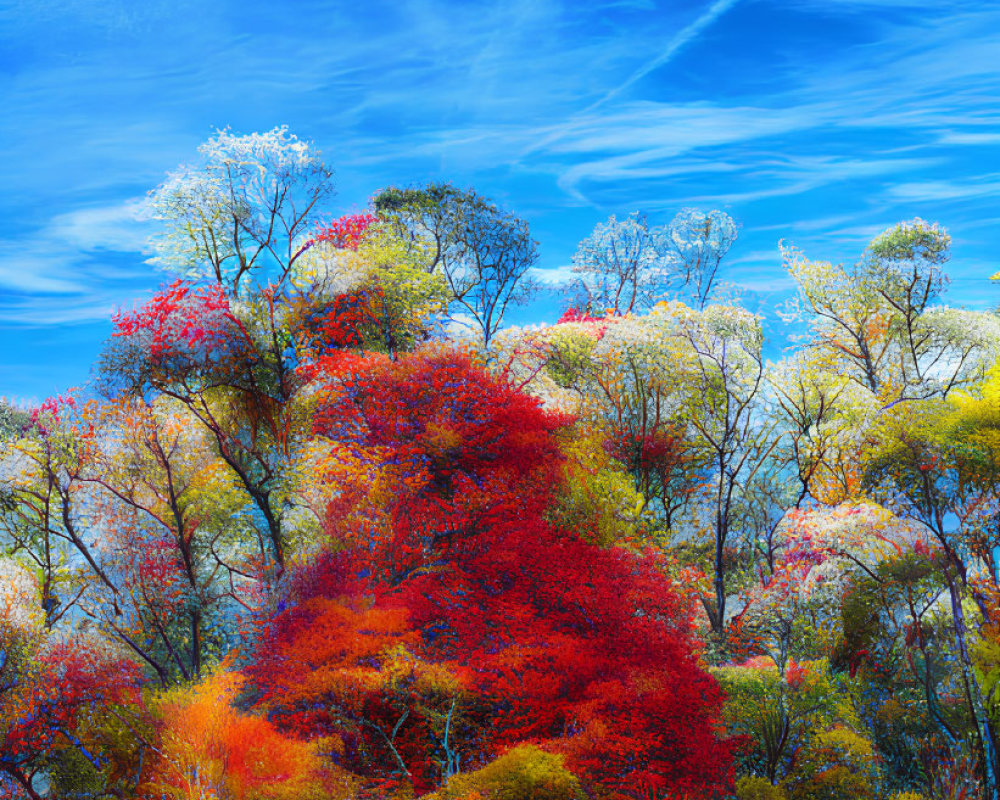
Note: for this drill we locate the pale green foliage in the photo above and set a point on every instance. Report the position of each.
(727, 344)
(784, 716)
(570, 355)
(724, 408)
(877, 321)
(807, 401)
(13, 421)
(246, 207)
(555, 363)
(638, 368)
(753, 787)
(524, 772)
(598, 499)
(38, 512)
(914, 240)
(878, 339)
(20, 610)
(837, 762)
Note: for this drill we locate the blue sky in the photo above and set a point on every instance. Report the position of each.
(819, 122)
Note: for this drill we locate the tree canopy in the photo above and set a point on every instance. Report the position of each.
(301, 538)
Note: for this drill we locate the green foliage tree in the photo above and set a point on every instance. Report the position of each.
(13, 421)
(483, 253)
(878, 323)
(938, 464)
(797, 728)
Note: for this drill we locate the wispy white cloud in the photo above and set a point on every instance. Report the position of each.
(116, 227)
(754, 258)
(74, 268)
(970, 138)
(766, 281)
(88, 307)
(945, 190)
(554, 276)
(904, 95)
(36, 272)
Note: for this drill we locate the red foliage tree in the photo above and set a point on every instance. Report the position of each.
(463, 452)
(664, 466)
(180, 316)
(45, 688)
(349, 320)
(458, 622)
(583, 649)
(576, 315)
(346, 232)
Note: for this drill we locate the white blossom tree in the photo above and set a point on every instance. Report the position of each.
(628, 265)
(247, 207)
(695, 244)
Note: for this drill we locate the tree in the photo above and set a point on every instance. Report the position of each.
(230, 372)
(41, 517)
(624, 266)
(13, 421)
(631, 385)
(204, 747)
(597, 496)
(781, 720)
(341, 665)
(441, 453)
(174, 536)
(483, 252)
(679, 394)
(452, 621)
(695, 244)
(533, 635)
(363, 286)
(878, 323)
(941, 470)
(246, 209)
(627, 265)
(855, 586)
(813, 404)
(622, 377)
(899, 650)
(722, 405)
(47, 684)
(564, 636)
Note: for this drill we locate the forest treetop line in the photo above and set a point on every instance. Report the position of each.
(624, 551)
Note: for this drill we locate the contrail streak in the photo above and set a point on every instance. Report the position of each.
(714, 11)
